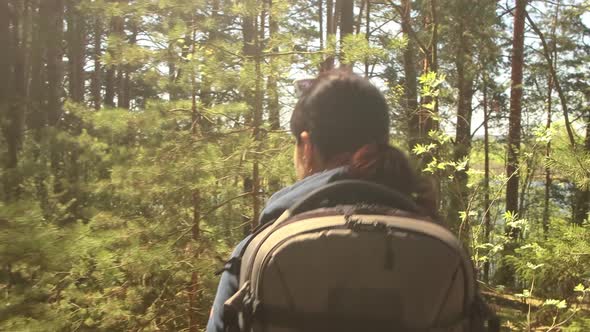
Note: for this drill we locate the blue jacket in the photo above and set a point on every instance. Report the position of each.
(277, 204)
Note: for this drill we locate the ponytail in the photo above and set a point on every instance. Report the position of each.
(387, 165)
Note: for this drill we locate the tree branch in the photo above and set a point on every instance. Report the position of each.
(410, 29)
(562, 97)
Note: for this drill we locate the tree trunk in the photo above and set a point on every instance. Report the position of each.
(113, 75)
(193, 294)
(54, 59)
(256, 125)
(96, 83)
(459, 198)
(486, 180)
(247, 223)
(427, 111)
(320, 21)
(548, 179)
(273, 94)
(205, 93)
(346, 27)
(196, 117)
(430, 64)
(328, 63)
(505, 273)
(55, 10)
(410, 77)
(12, 90)
(514, 125)
(330, 30)
(76, 43)
(196, 196)
(6, 69)
(119, 83)
(126, 95)
(37, 119)
(172, 71)
(582, 195)
(253, 98)
(529, 176)
(109, 92)
(367, 32)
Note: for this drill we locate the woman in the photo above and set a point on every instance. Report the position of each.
(341, 125)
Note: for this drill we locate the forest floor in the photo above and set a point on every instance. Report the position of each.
(514, 312)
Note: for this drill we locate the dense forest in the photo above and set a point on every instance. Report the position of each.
(141, 139)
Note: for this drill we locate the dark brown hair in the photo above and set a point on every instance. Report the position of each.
(347, 119)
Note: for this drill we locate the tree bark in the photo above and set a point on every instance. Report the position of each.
(273, 94)
(6, 68)
(54, 59)
(76, 47)
(194, 284)
(172, 71)
(514, 125)
(328, 63)
(431, 64)
(196, 195)
(582, 195)
(459, 197)
(253, 97)
(37, 119)
(320, 21)
(256, 125)
(346, 27)
(505, 273)
(113, 73)
(346, 19)
(486, 180)
(548, 178)
(96, 83)
(12, 90)
(367, 32)
(128, 69)
(410, 77)
(119, 84)
(330, 30)
(55, 10)
(205, 93)
(195, 116)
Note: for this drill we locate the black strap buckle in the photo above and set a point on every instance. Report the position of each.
(232, 266)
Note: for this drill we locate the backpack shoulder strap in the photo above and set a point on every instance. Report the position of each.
(233, 264)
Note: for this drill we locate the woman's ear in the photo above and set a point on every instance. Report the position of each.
(306, 151)
(305, 156)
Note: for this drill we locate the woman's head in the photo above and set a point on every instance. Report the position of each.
(341, 119)
(337, 114)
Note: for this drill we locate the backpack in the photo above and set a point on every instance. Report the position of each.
(369, 263)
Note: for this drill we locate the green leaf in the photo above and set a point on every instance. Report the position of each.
(533, 267)
(525, 294)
